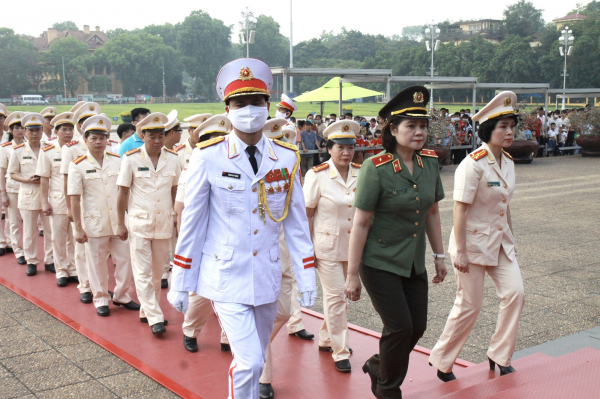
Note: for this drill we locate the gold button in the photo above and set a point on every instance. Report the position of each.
(255, 232)
(157, 188)
(348, 232)
(347, 192)
(254, 190)
(505, 186)
(417, 198)
(500, 228)
(108, 195)
(230, 187)
(215, 256)
(111, 209)
(416, 223)
(379, 240)
(503, 199)
(415, 186)
(349, 219)
(137, 216)
(326, 234)
(349, 206)
(105, 184)
(254, 210)
(418, 212)
(254, 253)
(474, 231)
(158, 212)
(414, 235)
(158, 200)
(501, 213)
(395, 192)
(92, 216)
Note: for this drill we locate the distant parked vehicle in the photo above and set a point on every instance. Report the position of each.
(33, 99)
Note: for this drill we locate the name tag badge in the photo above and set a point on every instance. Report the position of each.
(143, 169)
(91, 171)
(493, 184)
(27, 158)
(232, 175)
(187, 161)
(397, 191)
(58, 160)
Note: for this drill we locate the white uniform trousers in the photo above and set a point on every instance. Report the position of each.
(334, 329)
(248, 329)
(63, 246)
(81, 267)
(30, 237)
(148, 258)
(295, 323)
(169, 263)
(469, 297)
(199, 310)
(16, 224)
(5, 232)
(96, 252)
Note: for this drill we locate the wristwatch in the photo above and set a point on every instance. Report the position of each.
(439, 256)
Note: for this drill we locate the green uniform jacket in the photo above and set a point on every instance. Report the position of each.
(400, 202)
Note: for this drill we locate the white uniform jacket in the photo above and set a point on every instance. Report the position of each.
(487, 188)
(225, 251)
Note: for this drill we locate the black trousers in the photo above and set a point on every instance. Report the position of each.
(402, 305)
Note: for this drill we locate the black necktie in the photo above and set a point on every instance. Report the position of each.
(251, 150)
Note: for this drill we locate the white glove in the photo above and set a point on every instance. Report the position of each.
(308, 299)
(179, 299)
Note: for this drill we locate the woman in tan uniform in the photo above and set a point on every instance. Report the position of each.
(329, 194)
(482, 242)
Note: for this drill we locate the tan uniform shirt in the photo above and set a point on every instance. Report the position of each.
(180, 196)
(184, 152)
(150, 208)
(49, 166)
(72, 151)
(23, 161)
(333, 200)
(5, 151)
(97, 186)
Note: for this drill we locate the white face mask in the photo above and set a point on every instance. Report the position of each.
(249, 119)
(280, 114)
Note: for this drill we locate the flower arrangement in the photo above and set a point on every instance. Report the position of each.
(586, 121)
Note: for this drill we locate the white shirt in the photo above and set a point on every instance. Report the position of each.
(257, 153)
(558, 122)
(552, 133)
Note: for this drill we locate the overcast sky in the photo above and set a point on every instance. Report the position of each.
(311, 17)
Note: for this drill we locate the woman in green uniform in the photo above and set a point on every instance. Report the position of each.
(396, 203)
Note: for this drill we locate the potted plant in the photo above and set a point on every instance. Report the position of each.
(346, 110)
(586, 123)
(126, 116)
(524, 148)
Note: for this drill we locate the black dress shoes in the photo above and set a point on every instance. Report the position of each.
(343, 366)
(367, 368)
(50, 268)
(266, 391)
(145, 320)
(73, 279)
(41, 233)
(158, 328)
(328, 349)
(191, 344)
(31, 270)
(2, 251)
(9, 250)
(86, 297)
(62, 281)
(129, 305)
(503, 370)
(446, 377)
(102, 311)
(225, 348)
(21, 260)
(303, 334)
(164, 283)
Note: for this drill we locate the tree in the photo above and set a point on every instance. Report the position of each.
(99, 84)
(414, 32)
(514, 62)
(19, 64)
(523, 19)
(269, 44)
(75, 55)
(66, 25)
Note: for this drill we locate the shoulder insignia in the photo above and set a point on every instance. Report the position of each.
(420, 161)
(72, 143)
(79, 159)
(113, 154)
(171, 151)
(428, 153)
(19, 146)
(179, 147)
(321, 167)
(381, 160)
(285, 145)
(507, 155)
(477, 155)
(357, 165)
(208, 143)
(48, 147)
(397, 166)
(7, 144)
(133, 151)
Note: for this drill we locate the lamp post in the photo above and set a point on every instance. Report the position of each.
(164, 86)
(565, 47)
(432, 33)
(247, 24)
(291, 48)
(64, 81)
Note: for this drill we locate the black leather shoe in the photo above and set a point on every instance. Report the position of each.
(111, 294)
(145, 320)
(158, 328)
(50, 268)
(303, 334)
(503, 370)
(102, 311)
(129, 305)
(368, 369)
(225, 348)
(445, 377)
(31, 270)
(164, 283)
(9, 250)
(328, 349)
(378, 394)
(73, 279)
(191, 344)
(86, 297)
(266, 391)
(62, 281)
(21, 260)
(2, 251)
(343, 366)
(41, 233)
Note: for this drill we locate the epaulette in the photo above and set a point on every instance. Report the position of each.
(321, 167)
(381, 160)
(79, 159)
(208, 143)
(18, 146)
(48, 147)
(7, 144)
(428, 153)
(283, 144)
(477, 155)
(72, 143)
(508, 155)
(113, 154)
(133, 151)
(356, 165)
(171, 151)
(179, 147)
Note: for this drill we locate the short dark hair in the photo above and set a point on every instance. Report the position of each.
(293, 119)
(349, 113)
(300, 124)
(154, 131)
(331, 143)
(334, 115)
(318, 116)
(123, 127)
(309, 115)
(137, 112)
(94, 131)
(208, 136)
(388, 141)
(487, 127)
(373, 120)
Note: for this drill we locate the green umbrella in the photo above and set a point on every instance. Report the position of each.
(330, 91)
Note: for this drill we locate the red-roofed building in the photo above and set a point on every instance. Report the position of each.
(568, 20)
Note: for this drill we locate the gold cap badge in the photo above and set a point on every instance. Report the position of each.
(33, 118)
(345, 128)
(507, 101)
(222, 123)
(275, 128)
(418, 97)
(101, 122)
(156, 120)
(92, 107)
(246, 74)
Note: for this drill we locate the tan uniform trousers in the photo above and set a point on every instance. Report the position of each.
(16, 224)
(63, 246)
(148, 258)
(199, 310)
(334, 329)
(5, 232)
(81, 267)
(169, 264)
(96, 252)
(30, 237)
(469, 297)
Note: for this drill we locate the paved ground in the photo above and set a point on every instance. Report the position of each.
(555, 216)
